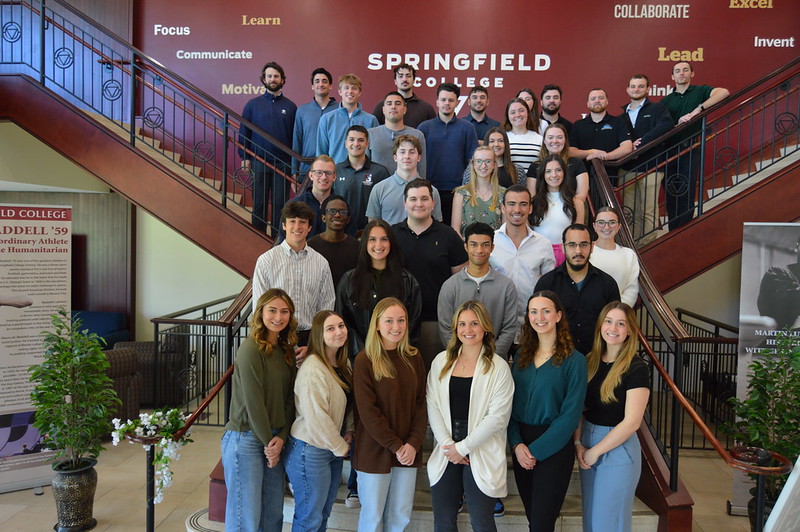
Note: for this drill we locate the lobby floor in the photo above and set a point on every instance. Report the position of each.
(120, 498)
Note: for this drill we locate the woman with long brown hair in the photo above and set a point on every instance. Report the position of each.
(550, 385)
(469, 403)
(554, 208)
(261, 414)
(389, 385)
(523, 133)
(606, 443)
(323, 400)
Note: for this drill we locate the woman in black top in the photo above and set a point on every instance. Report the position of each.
(606, 444)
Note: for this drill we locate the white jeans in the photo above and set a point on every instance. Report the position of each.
(386, 499)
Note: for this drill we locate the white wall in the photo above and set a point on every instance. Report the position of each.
(714, 293)
(173, 274)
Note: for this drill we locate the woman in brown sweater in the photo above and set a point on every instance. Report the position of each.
(389, 386)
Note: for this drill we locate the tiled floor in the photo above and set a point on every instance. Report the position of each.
(120, 499)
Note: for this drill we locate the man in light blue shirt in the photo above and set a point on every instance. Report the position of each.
(333, 126)
(306, 121)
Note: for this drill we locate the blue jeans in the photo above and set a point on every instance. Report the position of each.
(315, 475)
(386, 499)
(255, 491)
(609, 486)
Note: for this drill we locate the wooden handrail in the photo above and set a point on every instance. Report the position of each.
(204, 404)
(710, 321)
(742, 465)
(770, 78)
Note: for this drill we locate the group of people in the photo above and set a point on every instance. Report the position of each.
(445, 273)
(552, 406)
(532, 145)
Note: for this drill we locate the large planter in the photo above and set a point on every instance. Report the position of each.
(74, 493)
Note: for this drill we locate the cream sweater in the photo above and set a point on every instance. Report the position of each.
(321, 406)
(490, 399)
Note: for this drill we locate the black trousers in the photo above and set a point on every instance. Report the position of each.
(543, 488)
(446, 498)
(680, 184)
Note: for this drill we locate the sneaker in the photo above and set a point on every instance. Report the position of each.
(499, 508)
(351, 501)
(461, 505)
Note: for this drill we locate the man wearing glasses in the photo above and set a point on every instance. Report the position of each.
(520, 253)
(322, 175)
(338, 248)
(582, 288)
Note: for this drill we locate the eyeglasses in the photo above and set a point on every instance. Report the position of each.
(481, 162)
(603, 223)
(320, 173)
(340, 212)
(582, 245)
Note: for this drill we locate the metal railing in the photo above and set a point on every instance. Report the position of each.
(208, 336)
(187, 131)
(711, 158)
(669, 348)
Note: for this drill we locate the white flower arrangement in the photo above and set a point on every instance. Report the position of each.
(156, 429)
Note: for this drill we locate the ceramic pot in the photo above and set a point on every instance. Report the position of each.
(74, 493)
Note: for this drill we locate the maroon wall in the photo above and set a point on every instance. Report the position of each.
(580, 44)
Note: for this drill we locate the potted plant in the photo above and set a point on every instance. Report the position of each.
(74, 399)
(766, 418)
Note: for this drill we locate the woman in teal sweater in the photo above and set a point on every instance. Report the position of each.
(550, 385)
(261, 414)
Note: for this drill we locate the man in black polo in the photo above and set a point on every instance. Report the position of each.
(599, 136)
(418, 110)
(356, 175)
(433, 252)
(582, 288)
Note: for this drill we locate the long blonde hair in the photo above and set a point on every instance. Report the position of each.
(454, 345)
(472, 186)
(630, 348)
(316, 347)
(287, 338)
(373, 347)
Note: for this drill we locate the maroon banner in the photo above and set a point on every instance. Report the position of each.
(504, 45)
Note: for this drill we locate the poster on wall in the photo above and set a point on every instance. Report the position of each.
(769, 303)
(35, 277)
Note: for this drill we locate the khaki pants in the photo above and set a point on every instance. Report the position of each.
(640, 205)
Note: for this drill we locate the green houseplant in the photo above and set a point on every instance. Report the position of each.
(74, 399)
(767, 418)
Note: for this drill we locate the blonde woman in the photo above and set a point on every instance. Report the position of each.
(480, 199)
(389, 385)
(261, 414)
(469, 404)
(323, 400)
(606, 445)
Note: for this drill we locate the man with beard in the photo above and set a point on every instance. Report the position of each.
(332, 128)
(551, 104)
(599, 136)
(520, 253)
(582, 288)
(304, 140)
(478, 102)
(418, 110)
(274, 114)
(381, 138)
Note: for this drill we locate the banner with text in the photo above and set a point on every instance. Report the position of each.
(768, 304)
(35, 277)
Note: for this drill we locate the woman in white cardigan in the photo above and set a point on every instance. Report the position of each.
(619, 262)
(469, 394)
(323, 399)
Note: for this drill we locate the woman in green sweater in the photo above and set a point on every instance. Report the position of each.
(549, 388)
(261, 414)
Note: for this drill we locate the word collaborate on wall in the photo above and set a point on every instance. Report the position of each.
(506, 45)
